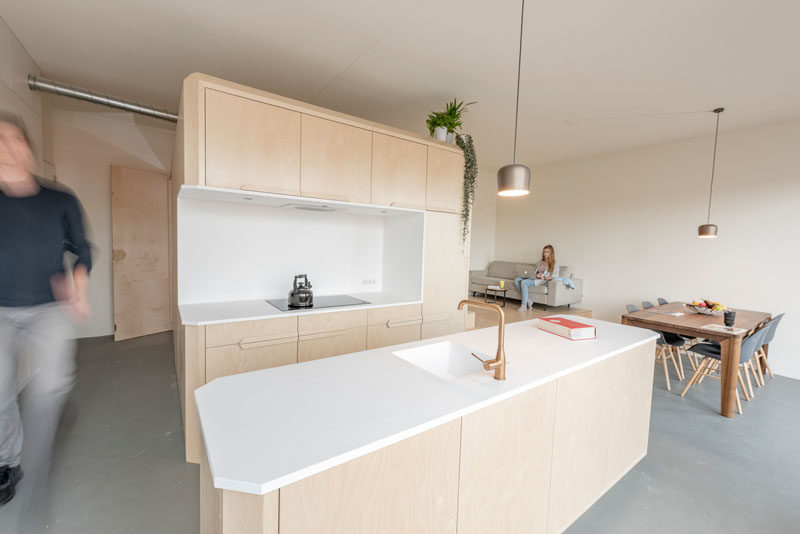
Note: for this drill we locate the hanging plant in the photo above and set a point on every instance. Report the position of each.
(470, 176)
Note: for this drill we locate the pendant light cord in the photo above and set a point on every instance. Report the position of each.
(713, 163)
(519, 71)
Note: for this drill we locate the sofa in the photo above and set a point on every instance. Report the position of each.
(555, 293)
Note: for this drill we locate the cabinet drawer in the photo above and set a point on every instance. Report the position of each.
(330, 322)
(394, 314)
(251, 333)
(442, 324)
(382, 335)
(327, 344)
(234, 359)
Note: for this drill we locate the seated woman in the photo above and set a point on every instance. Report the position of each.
(543, 271)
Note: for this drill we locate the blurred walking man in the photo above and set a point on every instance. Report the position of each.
(38, 304)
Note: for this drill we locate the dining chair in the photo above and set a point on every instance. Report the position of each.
(689, 341)
(712, 358)
(662, 301)
(666, 348)
(647, 304)
(761, 353)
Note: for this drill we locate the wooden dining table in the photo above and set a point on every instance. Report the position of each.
(691, 324)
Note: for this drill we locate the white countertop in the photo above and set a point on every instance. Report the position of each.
(249, 310)
(266, 429)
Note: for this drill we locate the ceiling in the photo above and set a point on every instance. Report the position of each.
(394, 61)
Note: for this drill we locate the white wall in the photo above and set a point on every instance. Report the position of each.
(85, 145)
(483, 220)
(627, 223)
(15, 65)
(229, 251)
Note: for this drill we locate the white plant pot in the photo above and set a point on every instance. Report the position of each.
(451, 137)
(440, 133)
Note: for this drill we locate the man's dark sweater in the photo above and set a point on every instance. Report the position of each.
(35, 231)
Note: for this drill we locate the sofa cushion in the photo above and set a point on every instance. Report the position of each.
(566, 272)
(503, 269)
(537, 290)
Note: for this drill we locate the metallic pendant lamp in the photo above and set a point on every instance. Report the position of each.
(708, 230)
(515, 180)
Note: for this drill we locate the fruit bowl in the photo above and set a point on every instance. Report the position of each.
(704, 310)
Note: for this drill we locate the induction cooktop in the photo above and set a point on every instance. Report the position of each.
(328, 301)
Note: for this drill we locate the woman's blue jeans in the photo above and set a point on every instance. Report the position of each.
(522, 285)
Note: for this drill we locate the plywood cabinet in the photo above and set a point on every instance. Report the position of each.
(393, 325)
(251, 145)
(445, 180)
(398, 172)
(235, 359)
(336, 160)
(446, 273)
(331, 334)
(252, 332)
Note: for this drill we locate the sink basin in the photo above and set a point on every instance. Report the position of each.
(445, 359)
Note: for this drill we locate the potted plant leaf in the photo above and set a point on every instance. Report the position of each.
(444, 124)
(437, 125)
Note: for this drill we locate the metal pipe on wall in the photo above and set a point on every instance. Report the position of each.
(63, 89)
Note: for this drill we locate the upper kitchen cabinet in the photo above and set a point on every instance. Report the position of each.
(335, 160)
(445, 180)
(398, 172)
(251, 145)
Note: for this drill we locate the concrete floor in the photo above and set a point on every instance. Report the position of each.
(119, 463)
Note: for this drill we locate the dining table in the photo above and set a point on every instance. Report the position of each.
(665, 318)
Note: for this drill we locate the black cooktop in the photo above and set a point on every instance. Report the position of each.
(328, 301)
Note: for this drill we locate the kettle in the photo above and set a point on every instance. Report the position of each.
(301, 295)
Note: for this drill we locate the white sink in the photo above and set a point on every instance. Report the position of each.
(445, 359)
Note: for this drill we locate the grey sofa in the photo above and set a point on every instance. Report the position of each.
(555, 293)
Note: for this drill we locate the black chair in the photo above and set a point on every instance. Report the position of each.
(712, 358)
(667, 345)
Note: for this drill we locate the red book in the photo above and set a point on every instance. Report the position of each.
(567, 328)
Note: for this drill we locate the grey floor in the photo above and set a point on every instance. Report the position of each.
(119, 463)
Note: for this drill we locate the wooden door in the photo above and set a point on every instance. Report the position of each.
(251, 145)
(336, 161)
(398, 172)
(140, 243)
(445, 180)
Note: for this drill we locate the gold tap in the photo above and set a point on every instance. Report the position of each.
(499, 362)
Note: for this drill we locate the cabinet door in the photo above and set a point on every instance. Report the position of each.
(252, 332)
(251, 145)
(327, 344)
(335, 160)
(398, 172)
(235, 359)
(330, 322)
(446, 269)
(445, 180)
(393, 325)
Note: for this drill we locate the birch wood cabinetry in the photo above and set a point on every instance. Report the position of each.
(331, 334)
(394, 325)
(251, 145)
(398, 172)
(446, 275)
(445, 180)
(335, 161)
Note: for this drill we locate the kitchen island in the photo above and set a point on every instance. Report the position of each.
(371, 442)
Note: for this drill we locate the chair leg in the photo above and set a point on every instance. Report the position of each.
(664, 362)
(738, 402)
(677, 352)
(766, 363)
(712, 366)
(757, 367)
(750, 369)
(741, 385)
(694, 377)
(749, 383)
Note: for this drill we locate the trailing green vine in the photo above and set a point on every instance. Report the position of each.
(470, 177)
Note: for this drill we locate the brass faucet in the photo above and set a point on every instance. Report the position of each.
(499, 362)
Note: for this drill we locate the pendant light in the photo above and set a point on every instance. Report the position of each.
(515, 180)
(708, 230)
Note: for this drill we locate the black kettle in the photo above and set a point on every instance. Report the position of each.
(301, 295)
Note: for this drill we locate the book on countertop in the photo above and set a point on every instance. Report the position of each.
(567, 328)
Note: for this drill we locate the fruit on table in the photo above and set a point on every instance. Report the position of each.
(705, 303)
